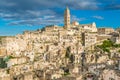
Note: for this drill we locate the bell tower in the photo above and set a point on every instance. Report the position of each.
(67, 18)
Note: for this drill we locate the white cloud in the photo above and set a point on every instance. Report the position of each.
(88, 4)
(75, 18)
(17, 10)
(7, 4)
(98, 17)
(47, 17)
(38, 21)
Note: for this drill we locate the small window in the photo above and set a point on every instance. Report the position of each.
(41, 47)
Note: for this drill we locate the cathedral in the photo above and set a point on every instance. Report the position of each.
(67, 23)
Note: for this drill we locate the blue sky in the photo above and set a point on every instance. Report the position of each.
(17, 16)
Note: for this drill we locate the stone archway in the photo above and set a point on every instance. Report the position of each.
(39, 75)
(18, 77)
(89, 76)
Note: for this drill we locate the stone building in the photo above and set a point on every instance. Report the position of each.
(89, 39)
(101, 37)
(115, 37)
(110, 74)
(2, 51)
(4, 75)
(89, 27)
(118, 30)
(105, 30)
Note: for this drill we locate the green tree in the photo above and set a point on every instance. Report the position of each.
(107, 43)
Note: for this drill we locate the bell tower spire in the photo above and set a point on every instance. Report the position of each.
(67, 18)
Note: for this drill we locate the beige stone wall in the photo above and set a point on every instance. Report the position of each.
(103, 37)
(108, 74)
(105, 30)
(89, 39)
(28, 76)
(2, 51)
(89, 27)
